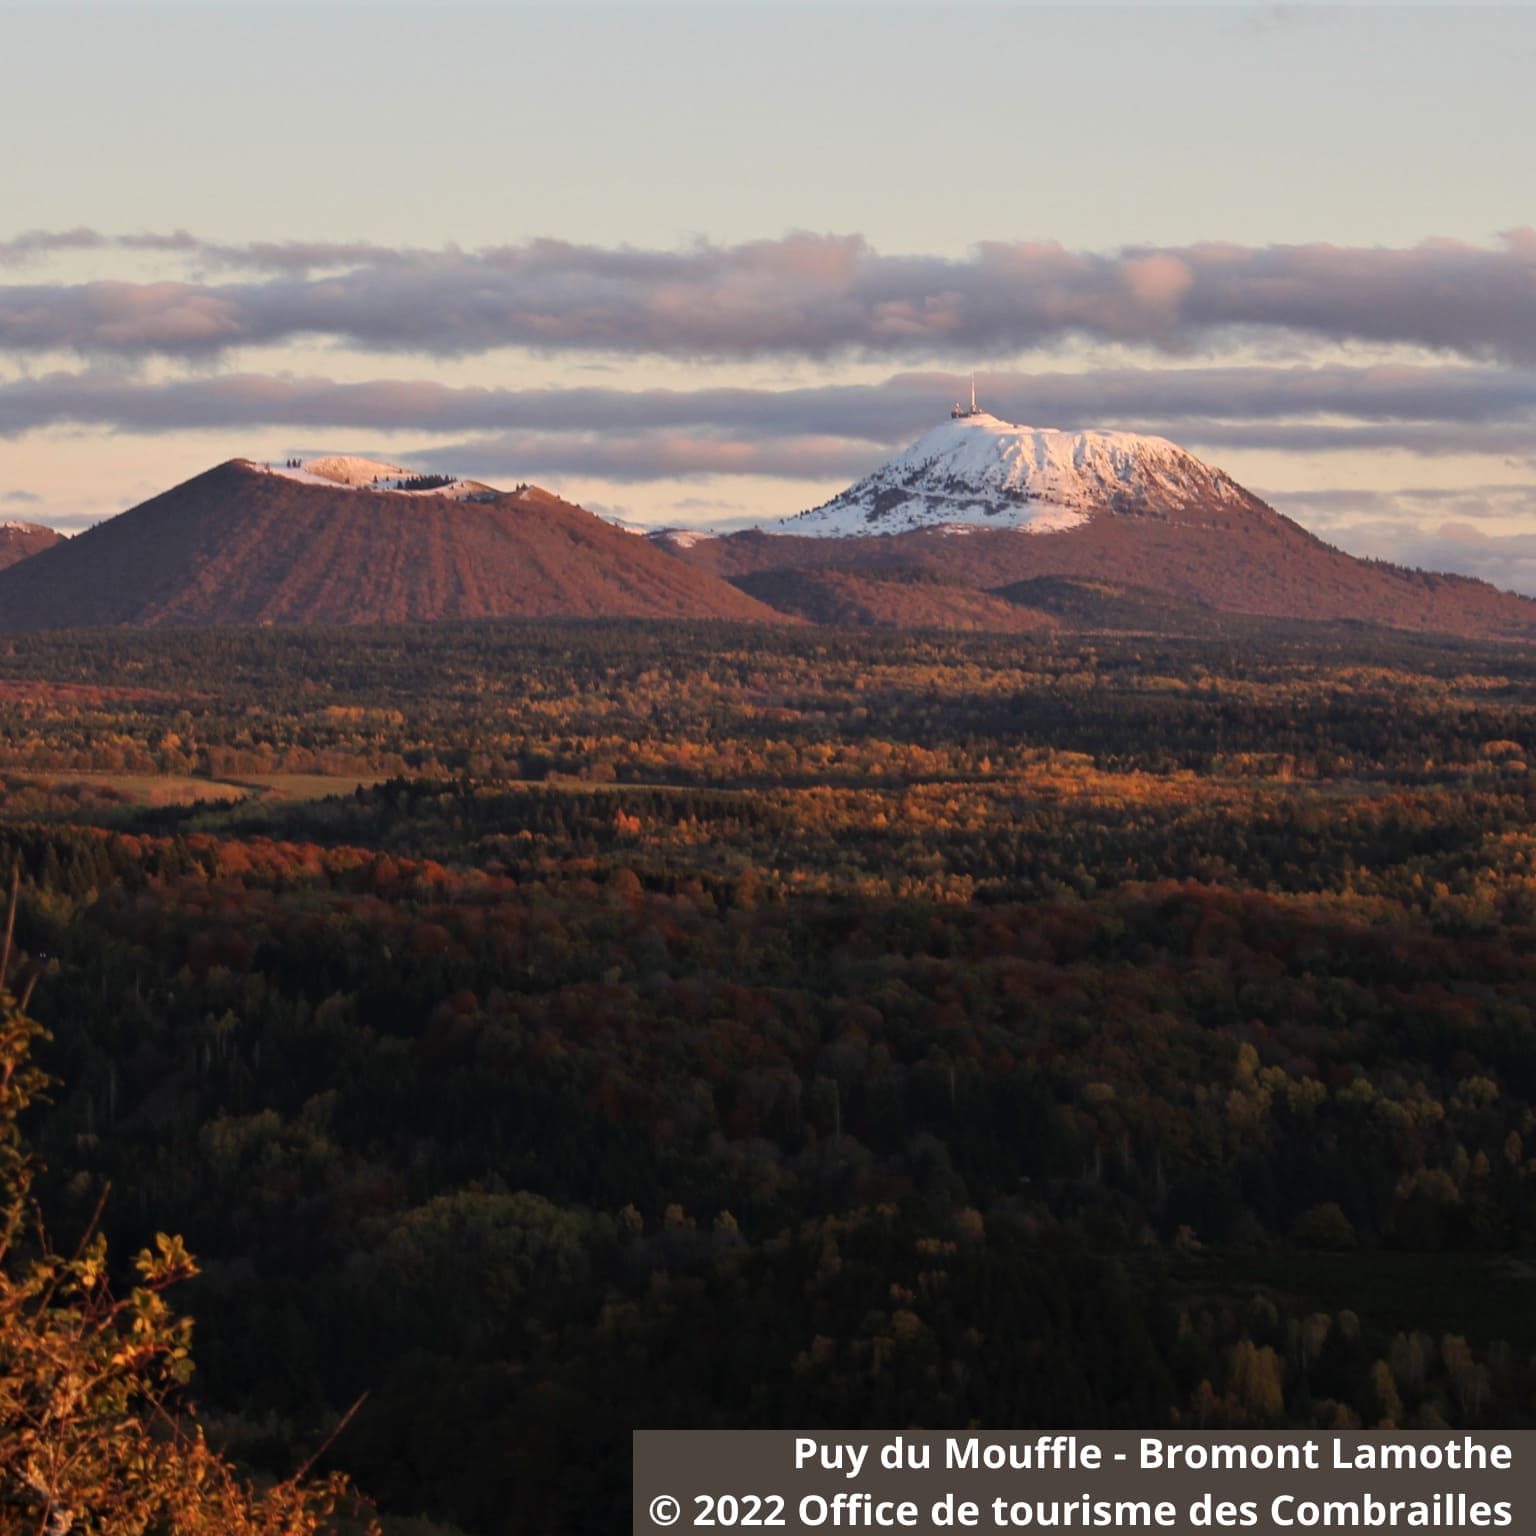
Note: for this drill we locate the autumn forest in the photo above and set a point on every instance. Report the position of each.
(540, 1031)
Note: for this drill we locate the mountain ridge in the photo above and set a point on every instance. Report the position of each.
(950, 533)
(21, 540)
(239, 544)
(978, 502)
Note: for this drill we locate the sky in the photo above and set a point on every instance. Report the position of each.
(707, 264)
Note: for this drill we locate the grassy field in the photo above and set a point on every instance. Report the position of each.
(299, 786)
(159, 789)
(145, 788)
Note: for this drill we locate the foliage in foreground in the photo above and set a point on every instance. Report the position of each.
(90, 1440)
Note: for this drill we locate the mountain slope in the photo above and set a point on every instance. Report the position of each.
(244, 545)
(20, 541)
(987, 505)
(899, 599)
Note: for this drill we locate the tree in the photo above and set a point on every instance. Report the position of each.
(1324, 1226)
(90, 1438)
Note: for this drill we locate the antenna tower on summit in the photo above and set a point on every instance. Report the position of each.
(959, 413)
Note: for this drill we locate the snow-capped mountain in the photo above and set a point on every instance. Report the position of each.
(975, 471)
(1125, 531)
(363, 474)
(19, 540)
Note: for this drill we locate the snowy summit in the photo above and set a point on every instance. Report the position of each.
(974, 471)
(354, 472)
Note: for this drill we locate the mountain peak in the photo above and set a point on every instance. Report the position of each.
(245, 543)
(356, 472)
(978, 471)
(20, 541)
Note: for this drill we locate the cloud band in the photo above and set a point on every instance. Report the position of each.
(804, 296)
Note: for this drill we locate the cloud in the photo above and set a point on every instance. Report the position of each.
(1477, 530)
(1513, 443)
(654, 456)
(1328, 508)
(1427, 410)
(20, 498)
(34, 244)
(809, 296)
(691, 504)
(1506, 560)
(1267, 20)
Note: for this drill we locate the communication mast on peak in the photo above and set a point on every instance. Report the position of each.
(959, 413)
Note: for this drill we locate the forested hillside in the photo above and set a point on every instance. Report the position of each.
(714, 1025)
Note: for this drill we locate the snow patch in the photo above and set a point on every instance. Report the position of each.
(623, 524)
(682, 538)
(353, 472)
(975, 472)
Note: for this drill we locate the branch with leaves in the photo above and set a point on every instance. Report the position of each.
(91, 1439)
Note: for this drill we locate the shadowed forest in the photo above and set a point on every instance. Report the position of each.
(551, 1030)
